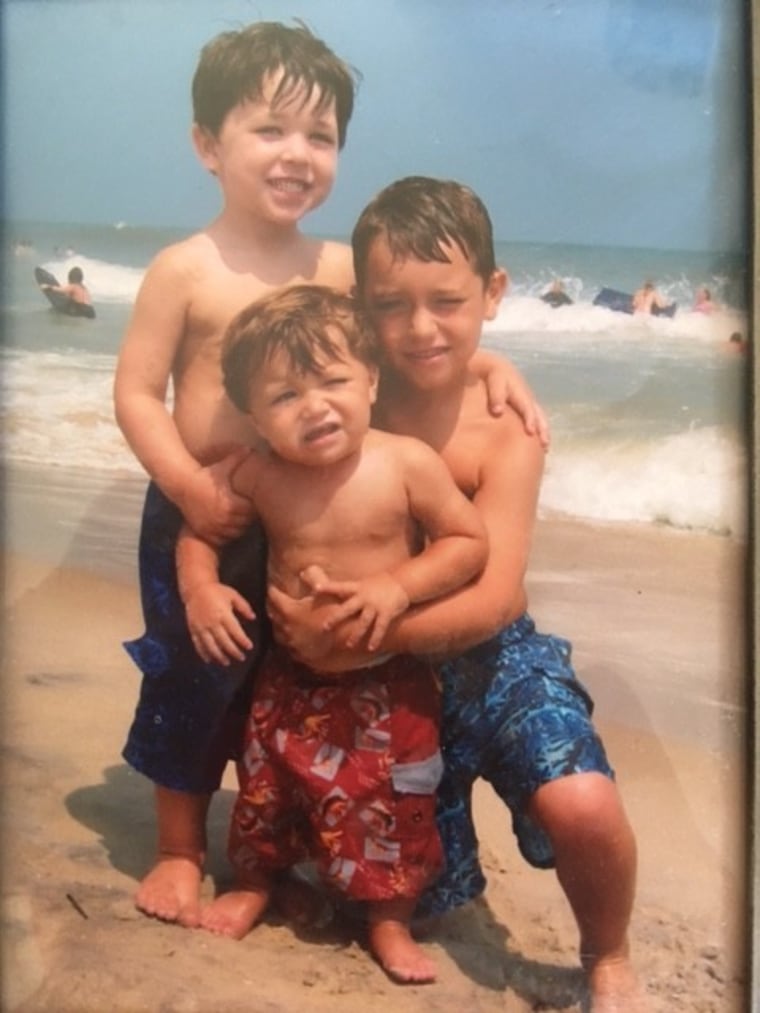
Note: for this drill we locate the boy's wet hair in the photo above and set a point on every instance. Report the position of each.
(233, 67)
(418, 217)
(302, 321)
(76, 276)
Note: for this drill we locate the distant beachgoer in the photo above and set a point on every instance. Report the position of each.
(703, 302)
(646, 299)
(556, 296)
(737, 342)
(76, 290)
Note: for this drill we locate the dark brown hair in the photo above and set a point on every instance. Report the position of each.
(301, 321)
(234, 65)
(418, 216)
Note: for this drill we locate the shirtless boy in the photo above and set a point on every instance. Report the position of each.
(271, 106)
(342, 770)
(513, 711)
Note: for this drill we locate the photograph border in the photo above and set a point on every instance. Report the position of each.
(752, 59)
(753, 638)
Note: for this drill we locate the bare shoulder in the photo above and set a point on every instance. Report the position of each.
(200, 251)
(165, 293)
(503, 446)
(185, 260)
(412, 459)
(506, 432)
(405, 446)
(335, 266)
(484, 448)
(245, 479)
(339, 253)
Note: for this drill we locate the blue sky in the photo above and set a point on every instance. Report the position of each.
(602, 122)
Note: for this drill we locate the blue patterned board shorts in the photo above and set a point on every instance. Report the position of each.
(514, 714)
(190, 715)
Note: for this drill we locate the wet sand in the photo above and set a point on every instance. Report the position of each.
(656, 618)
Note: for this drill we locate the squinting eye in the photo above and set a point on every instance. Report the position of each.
(286, 395)
(386, 305)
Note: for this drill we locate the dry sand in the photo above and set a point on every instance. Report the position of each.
(656, 619)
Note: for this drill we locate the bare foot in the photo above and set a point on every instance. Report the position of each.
(399, 956)
(235, 913)
(171, 891)
(614, 987)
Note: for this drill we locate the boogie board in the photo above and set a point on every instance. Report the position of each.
(61, 303)
(622, 302)
(665, 311)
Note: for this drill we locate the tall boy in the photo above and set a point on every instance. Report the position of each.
(513, 711)
(271, 107)
(344, 770)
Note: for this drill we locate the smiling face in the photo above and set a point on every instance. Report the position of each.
(275, 160)
(313, 417)
(428, 315)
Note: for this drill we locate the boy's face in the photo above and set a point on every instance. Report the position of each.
(276, 162)
(428, 315)
(314, 418)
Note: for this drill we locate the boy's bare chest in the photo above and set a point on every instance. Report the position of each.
(461, 442)
(463, 459)
(215, 304)
(313, 510)
(220, 295)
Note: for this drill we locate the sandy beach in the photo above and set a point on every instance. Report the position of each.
(656, 618)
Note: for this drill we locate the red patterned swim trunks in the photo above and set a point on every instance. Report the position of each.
(343, 772)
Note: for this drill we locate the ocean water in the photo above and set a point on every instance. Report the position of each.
(648, 415)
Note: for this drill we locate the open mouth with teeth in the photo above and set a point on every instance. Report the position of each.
(289, 185)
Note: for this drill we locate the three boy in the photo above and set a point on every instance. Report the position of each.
(271, 134)
(271, 106)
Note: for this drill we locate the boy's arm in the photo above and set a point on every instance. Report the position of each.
(150, 345)
(506, 385)
(211, 607)
(507, 500)
(456, 549)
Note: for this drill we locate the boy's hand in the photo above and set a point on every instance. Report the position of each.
(215, 630)
(534, 417)
(299, 625)
(210, 505)
(375, 601)
(505, 385)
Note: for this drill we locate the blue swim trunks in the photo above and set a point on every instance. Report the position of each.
(514, 714)
(190, 715)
